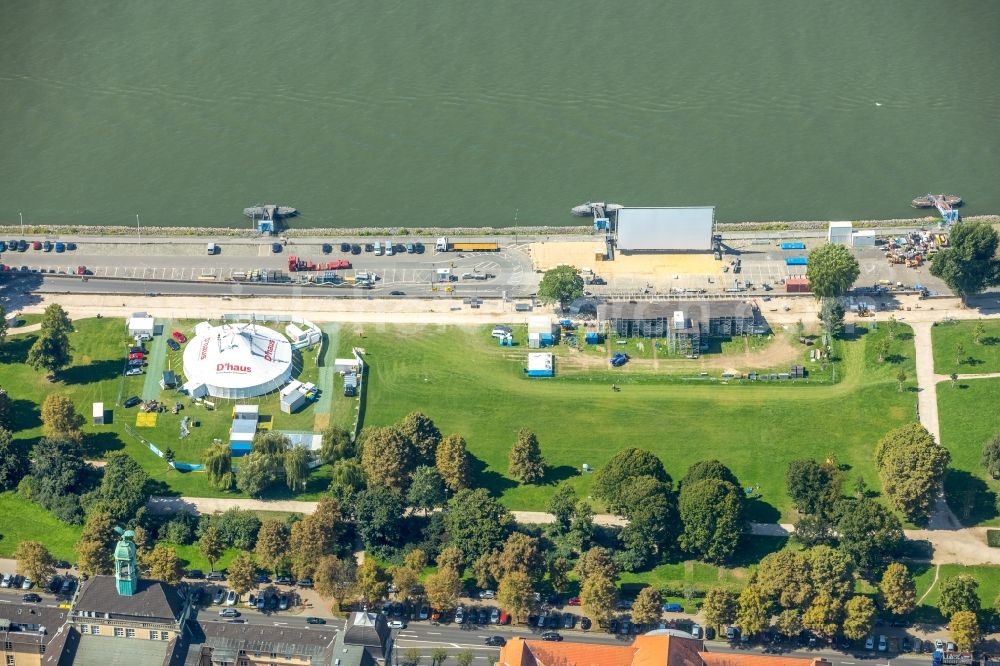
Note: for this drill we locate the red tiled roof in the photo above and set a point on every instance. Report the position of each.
(519, 652)
(729, 659)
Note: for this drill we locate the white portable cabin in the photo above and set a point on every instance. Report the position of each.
(346, 365)
(839, 233)
(540, 365)
(863, 238)
(98, 413)
(141, 325)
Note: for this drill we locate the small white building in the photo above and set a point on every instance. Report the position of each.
(839, 233)
(141, 326)
(863, 238)
(98, 413)
(540, 365)
(346, 365)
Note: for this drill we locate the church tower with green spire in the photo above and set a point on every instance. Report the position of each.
(126, 571)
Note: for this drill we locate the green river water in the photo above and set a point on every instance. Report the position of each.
(474, 113)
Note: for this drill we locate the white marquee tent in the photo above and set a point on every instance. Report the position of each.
(237, 360)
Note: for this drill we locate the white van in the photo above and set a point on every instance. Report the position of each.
(211, 249)
(378, 248)
(389, 251)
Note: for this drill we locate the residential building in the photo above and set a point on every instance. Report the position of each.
(31, 635)
(365, 641)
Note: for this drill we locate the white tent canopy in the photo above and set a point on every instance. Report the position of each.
(238, 360)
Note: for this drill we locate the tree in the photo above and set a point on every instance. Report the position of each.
(784, 577)
(824, 614)
(719, 607)
(426, 489)
(892, 327)
(297, 470)
(242, 573)
(959, 593)
(406, 581)
(814, 487)
(870, 533)
(238, 528)
(452, 461)
(647, 606)
(560, 285)
(959, 353)
(651, 508)
(438, 656)
(416, 559)
(58, 474)
(520, 553)
(163, 564)
(813, 530)
(335, 445)
(627, 463)
(789, 622)
(911, 467)
(965, 630)
(881, 349)
(257, 472)
(451, 557)
(210, 545)
(831, 571)
(900, 380)
(272, 544)
(978, 331)
(559, 568)
(859, 617)
(52, 350)
(954, 379)
(270, 443)
(898, 590)
(373, 583)
(6, 408)
(597, 561)
(317, 535)
(335, 577)
(561, 506)
(581, 527)
(464, 658)
(93, 557)
(218, 462)
(348, 477)
(991, 456)
(387, 458)
(831, 313)
(516, 594)
(476, 523)
(423, 435)
(378, 515)
(598, 597)
(13, 462)
(59, 418)
(969, 265)
(442, 589)
(712, 514)
(709, 469)
(3, 324)
(525, 460)
(831, 270)
(34, 561)
(411, 657)
(752, 613)
(123, 490)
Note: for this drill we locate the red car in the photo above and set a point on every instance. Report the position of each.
(135, 356)
(573, 601)
(179, 337)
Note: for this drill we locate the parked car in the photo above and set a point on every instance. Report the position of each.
(551, 636)
(950, 647)
(61, 564)
(487, 594)
(907, 644)
(132, 372)
(276, 248)
(939, 644)
(425, 612)
(495, 641)
(219, 596)
(37, 245)
(619, 359)
(568, 621)
(345, 247)
(495, 616)
(47, 246)
(732, 633)
(284, 580)
(215, 575)
(882, 644)
(327, 248)
(709, 633)
(132, 402)
(179, 337)
(228, 612)
(6, 580)
(573, 601)
(283, 602)
(504, 617)
(613, 626)
(232, 598)
(459, 615)
(673, 608)
(60, 247)
(397, 624)
(252, 600)
(27, 584)
(355, 249)
(306, 582)
(67, 586)
(315, 620)
(626, 626)
(31, 598)
(696, 631)
(195, 574)
(173, 344)
(261, 579)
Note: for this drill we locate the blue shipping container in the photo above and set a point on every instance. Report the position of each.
(793, 246)
(592, 337)
(796, 261)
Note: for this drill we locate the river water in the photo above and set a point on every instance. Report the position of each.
(475, 112)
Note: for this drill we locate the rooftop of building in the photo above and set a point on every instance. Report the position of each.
(267, 639)
(665, 309)
(152, 600)
(111, 651)
(24, 623)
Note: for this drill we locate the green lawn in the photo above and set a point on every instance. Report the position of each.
(467, 384)
(969, 417)
(21, 520)
(982, 357)
(988, 578)
(96, 376)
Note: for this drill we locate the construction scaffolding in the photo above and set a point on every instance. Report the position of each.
(682, 324)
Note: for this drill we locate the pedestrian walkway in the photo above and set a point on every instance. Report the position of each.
(326, 375)
(157, 360)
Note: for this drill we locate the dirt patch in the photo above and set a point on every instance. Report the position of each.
(654, 267)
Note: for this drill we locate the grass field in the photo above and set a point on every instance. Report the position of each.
(969, 418)
(96, 376)
(467, 384)
(21, 520)
(982, 357)
(988, 578)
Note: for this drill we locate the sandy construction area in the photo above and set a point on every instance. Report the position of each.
(653, 267)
